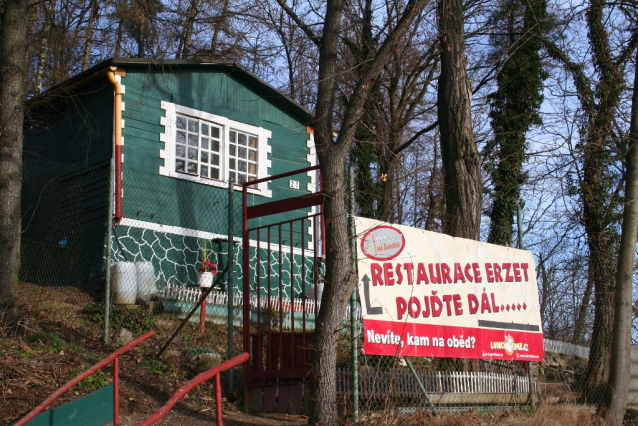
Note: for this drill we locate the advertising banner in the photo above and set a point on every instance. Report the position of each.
(431, 295)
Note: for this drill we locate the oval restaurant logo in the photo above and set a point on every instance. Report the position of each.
(383, 243)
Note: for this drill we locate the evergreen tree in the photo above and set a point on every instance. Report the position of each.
(514, 110)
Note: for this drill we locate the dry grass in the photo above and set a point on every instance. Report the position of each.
(545, 416)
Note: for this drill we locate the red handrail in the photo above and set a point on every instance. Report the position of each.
(202, 377)
(114, 357)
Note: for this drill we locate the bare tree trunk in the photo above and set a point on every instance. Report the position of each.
(44, 45)
(615, 402)
(461, 159)
(188, 29)
(431, 193)
(89, 34)
(13, 38)
(579, 326)
(340, 276)
(118, 40)
(218, 27)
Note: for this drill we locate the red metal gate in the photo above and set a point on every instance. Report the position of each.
(281, 296)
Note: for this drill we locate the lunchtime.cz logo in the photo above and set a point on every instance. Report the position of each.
(509, 346)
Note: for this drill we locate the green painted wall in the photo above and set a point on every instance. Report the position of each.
(175, 261)
(67, 150)
(73, 128)
(68, 143)
(64, 223)
(170, 201)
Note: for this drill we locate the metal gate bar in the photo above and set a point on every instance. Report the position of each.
(281, 374)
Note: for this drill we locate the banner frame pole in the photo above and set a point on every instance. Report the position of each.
(418, 380)
(530, 366)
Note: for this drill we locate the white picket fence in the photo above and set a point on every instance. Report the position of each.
(400, 383)
(192, 294)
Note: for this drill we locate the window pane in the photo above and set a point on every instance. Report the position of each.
(233, 176)
(198, 149)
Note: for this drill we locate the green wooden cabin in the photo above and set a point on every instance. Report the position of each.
(187, 127)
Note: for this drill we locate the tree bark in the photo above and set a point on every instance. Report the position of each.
(514, 109)
(44, 45)
(340, 276)
(217, 29)
(461, 159)
(13, 36)
(615, 402)
(95, 8)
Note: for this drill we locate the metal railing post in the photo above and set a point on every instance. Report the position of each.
(196, 381)
(109, 227)
(116, 391)
(218, 400)
(77, 379)
(229, 287)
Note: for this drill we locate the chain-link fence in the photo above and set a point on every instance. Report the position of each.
(566, 379)
(170, 246)
(171, 231)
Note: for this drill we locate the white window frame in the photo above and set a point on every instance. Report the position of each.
(168, 153)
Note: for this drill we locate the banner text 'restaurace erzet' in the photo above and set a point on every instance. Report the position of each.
(429, 294)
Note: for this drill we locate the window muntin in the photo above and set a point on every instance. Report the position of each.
(242, 156)
(197, 147)
(213, 144)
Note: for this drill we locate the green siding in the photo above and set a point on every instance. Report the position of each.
(68, 143)
(74, 129)
(67, 151)
(192, 205)
(64, 227)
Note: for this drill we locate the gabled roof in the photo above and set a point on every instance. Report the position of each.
(237, 71)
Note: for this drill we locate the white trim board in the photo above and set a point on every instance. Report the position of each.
(168, 153)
